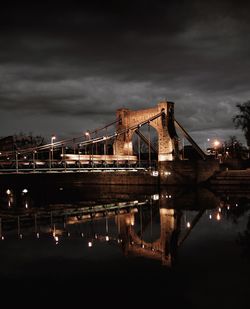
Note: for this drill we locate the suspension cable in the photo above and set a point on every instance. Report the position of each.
(84, 142)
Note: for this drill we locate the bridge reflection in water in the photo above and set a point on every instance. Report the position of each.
(91, 245)
(153, 226)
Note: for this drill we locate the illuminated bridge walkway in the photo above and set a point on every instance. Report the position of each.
(112, 147)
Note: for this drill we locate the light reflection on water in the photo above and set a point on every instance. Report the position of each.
(117, 227)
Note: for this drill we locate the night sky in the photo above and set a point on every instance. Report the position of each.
(66, 68)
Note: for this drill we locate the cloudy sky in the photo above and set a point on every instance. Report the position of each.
(66, 68)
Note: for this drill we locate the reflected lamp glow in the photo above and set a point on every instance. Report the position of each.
(167, 173)
(90, 244)
(155, 173)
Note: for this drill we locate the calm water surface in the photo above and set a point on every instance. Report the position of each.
(125, 246)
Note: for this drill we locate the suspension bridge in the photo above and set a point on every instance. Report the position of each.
(111, 147)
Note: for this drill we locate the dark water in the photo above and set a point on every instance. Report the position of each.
(173, 247)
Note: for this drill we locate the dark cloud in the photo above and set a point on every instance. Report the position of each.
(79, 63)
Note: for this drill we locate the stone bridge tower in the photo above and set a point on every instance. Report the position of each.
(164, 125)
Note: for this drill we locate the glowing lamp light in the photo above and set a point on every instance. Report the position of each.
(219, 209)
(2, 238)
(218, 216)
(156, 197)
(37, 235)
(90, 244)
(216, 143)
(210, 216)
(107, 238)
(188, 225)
(8, 192)
(25, 191)
(26, 205)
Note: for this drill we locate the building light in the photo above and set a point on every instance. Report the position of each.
(25, 191)
(156, 197)
(155, 173)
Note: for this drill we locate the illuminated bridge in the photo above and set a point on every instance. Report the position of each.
(124, 144)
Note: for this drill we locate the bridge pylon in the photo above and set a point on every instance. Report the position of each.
(160, 117)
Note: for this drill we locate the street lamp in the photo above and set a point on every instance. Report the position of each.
(87, 135)
(52, 147)
(216, 144)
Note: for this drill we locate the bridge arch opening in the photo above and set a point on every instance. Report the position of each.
(145, 143)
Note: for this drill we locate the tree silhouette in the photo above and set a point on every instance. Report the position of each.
(234, 148)
(242, 120)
